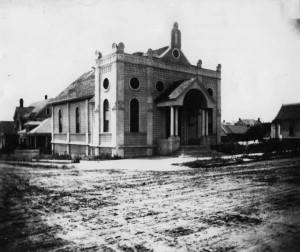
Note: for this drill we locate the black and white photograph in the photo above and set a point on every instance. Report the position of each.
(150, 125)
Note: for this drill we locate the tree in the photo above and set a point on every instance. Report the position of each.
(258, 131)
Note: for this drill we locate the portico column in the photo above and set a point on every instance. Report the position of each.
(87, 126)
(176, 121)
(35, 142)
(206, 122)
(278, 131)
(203, 122)
(68, 128)
(52, 132)
(172, 121)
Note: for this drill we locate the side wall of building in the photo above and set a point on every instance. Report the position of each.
(285, 129)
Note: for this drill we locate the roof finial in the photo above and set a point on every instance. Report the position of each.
(175, 37)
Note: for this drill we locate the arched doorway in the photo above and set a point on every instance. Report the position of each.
(193, 118)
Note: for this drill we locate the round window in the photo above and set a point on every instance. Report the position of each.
(159, 86)
(134, 83)
(106, 84)
(210, 91)
(176, 53)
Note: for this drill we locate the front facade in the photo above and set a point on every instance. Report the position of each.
(286, 124)
(139, 104)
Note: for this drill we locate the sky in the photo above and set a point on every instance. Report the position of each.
(46, 45)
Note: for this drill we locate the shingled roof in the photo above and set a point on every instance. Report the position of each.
(160, 51)
(289, 111)
(39, 105)
(177, 88)
(234, 129)
(83, 87)
(23, 112)
(165, 95)
(44, 128)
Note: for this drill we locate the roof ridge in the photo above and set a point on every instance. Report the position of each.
(291, 104)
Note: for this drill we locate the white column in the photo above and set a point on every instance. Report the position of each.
(52, 132)
(176, 121)
(206, 122)
(171, 121)
(68, 128)
(279, 133)
(87, 126)
(203, 122)
(97, 102)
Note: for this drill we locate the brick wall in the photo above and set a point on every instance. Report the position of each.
(135, 138)
(135, 152)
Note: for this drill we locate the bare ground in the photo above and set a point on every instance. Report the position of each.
(253, 207)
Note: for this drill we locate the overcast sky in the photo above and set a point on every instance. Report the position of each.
(46, 45)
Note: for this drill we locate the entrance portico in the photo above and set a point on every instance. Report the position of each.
(187, 110)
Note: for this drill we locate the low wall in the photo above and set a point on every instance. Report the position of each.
(168, 146)
(34, 153)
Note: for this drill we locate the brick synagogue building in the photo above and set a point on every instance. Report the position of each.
(139, 104)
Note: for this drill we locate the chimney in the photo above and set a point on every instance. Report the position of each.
(21, 102)
(46, 97)
(258, 120)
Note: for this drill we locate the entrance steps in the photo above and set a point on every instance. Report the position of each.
(195, 151)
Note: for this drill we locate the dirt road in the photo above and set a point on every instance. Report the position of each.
(253, 207)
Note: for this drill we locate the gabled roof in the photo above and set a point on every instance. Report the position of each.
(165, 95)
(250, 122)
(234, 129)
(7, 127)
(23, 112)
(160, 51)
(39, 105)
(33, 123)
(44, 128)
(83, 87)
(33, 110)
(289, 111)
(178, 89)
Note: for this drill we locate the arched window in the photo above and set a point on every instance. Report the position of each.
(210, 92)
(59, 121)
(105, 116)
(134, 115)
(77, 120)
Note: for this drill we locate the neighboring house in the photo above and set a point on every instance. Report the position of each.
(286, 124)
(40, 136)
(8, 136)
(234, 133)
(28, 118)
(136, 104)
(247, 122)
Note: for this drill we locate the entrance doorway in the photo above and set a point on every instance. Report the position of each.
(193, 118)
